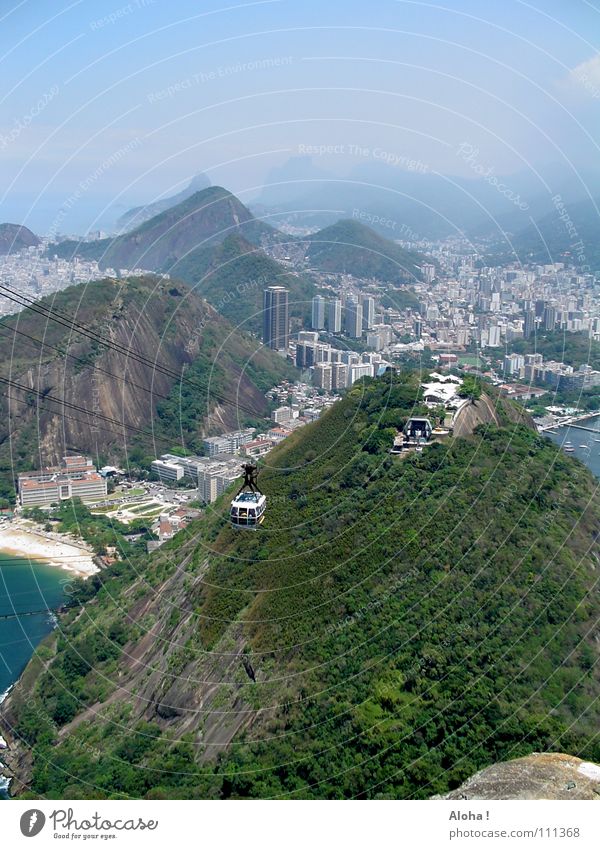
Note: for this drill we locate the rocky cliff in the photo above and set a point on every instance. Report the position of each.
(141, 361)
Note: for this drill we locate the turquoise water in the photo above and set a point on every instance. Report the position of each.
(25, 585)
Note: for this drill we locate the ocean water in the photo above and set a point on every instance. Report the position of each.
(586, 449)
(25, 585)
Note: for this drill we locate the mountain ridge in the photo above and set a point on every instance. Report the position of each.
(204, 218)
(139, 214)
(15, 237)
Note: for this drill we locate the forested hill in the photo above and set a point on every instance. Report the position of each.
(349, 247)
(575, 349)
(122, 370)
(396, 625)
(233, 275)
(570, 233)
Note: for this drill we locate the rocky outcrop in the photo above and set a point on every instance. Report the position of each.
(148, 334)
(488, 410)
(537, 776)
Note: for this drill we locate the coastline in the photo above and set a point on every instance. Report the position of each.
(19, 539)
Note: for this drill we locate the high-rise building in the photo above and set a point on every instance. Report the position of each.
(322, 376)
(514, 364)
(353, 318)
(361, 370)
(368, 311)
(529, 324)
(494, 336)
(339, 375)
(374, 341)
(549, 318)
(418, 328)
(318, 313)
(334, 316)
(428, 271)
(276, 318)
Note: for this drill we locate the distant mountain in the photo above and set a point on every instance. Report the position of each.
(408, 201)
(136, 216)
(170, 328)
(232, 277)
(570, 233)
(205, 218)
(288, 184)
(352, 248)
(14, 238)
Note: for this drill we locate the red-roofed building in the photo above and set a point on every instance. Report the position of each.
(75, 478)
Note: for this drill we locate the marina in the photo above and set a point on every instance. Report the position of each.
(580, 441)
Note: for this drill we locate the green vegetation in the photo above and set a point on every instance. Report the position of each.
(471, 388)
(232, 277)
(574, 349)
(349, 247)
(204, 218)
(74, 517)
(409, 621)
(162, 323)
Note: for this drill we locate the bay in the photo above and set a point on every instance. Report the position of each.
(25, 585)
(583, 441)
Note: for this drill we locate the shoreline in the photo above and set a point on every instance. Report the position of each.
(19, 540)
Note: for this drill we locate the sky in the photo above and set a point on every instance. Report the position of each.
(105, 105)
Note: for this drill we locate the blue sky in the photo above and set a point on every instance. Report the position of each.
(130, 99)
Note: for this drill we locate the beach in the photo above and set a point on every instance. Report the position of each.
(23, 539)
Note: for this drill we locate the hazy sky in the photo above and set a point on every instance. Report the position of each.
(113, 103)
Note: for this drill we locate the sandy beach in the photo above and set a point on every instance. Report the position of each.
(21, 540)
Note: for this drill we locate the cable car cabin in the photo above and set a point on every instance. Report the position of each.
(248, 509)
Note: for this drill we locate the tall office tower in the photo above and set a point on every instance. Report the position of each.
(418, 328)
(339, 375)
(318, 313)
(428, 272)
(322, 376)
(368, 311)
(549, 318)
(529, 324)
(485, 287)
(353, 318)
(334, 316)
(494, 336)
(276, 318)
